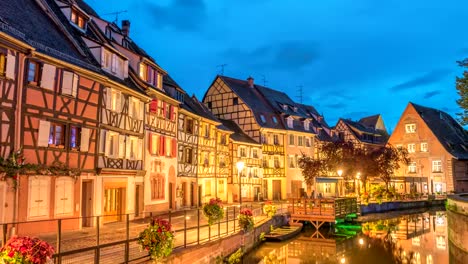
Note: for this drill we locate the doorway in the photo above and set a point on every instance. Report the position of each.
(139, 198)
(256, 193)
(277, 190)
(87, 203)
(113, 204)
(199, 195)
(192, 194)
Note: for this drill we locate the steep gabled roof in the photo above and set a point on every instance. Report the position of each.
(238, 134)
(255, 101)
(448, 131)
(25, 20)
(357, 128)
(370, 121)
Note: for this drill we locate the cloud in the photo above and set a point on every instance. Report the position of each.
(180, 15)
(287, 56)
(426, 79)
(431, 94)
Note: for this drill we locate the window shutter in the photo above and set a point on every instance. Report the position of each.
(84, 145)
(164, 109)
(125, 69)
(109, 98)
(67, 82)
(44, 132)
(102, 145)
(128, 145)
(140, 149)
(122, 146)
(10, 65)
(171, 112)
(107, 144)
(114, 63)
(174, 147)
(160, 80)
(103, 58)
(48, 76)
(130, 106)
(154, 106)
(162, 140)
(75, 85)
(119, 101)
(142, 110)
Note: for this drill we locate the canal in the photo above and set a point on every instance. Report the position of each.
(411, 238)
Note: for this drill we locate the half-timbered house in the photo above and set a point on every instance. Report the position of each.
(368, 132)
(244, 148)
(56, 102)
(242, 102)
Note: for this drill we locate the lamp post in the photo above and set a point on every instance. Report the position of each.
(240, 166)
(340, 172)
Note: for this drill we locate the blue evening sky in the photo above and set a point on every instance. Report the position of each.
(353, 58)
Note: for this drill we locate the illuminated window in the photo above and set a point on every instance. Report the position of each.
(424, 147)
(291, 139)
(290, 122)
(411, 148)
(412, 167)
(436, 166)
(78, 19)
(275, 139)
(410, 128)
(275, 120)
(262, 118)
(300, 141)
(75, 136)
(57, 135)
(33, 72)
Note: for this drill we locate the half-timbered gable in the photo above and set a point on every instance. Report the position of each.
(438, 150)
(360, 134)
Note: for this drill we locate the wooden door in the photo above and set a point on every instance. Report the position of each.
(277, 190)
(171, 199)
(87, 203)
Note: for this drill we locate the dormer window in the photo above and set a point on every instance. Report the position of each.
(295, 109)
(150, 75)
(114, 64)
(285, 107)
(108, 32)
(78, 18)
(306, 125)
(262, 117)
(275, 120)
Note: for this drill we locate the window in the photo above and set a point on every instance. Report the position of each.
(235, 101)
(275, 139)
(2, 62)
(424, 147)
(179, 96)
(265, 162)
(206, 130)
(221, 186)
(64, 192)
(222, 162)
(436, 166)
(153, 144)
(33, 72)
(207, 187)
(411, 148)
(69, 83)
(263, 139)
(262, 118)
(410, 128)
(209, 105)
(143, 71)
(306, 125)
(57, 135)
(255, 153)
(276, 162)
(274, 120)
(300, 141)
(292, 162)
(255, 172)
(78, 19)
(307, 142)
(223, 140)
(157, 186)
(113, 99)
(39, 190)
(189, 126)
(187, 155)
(75, 136)
(106, 59)
(291, 140)
(285, 107)
(112, 144)
(242, 152)
(399, 146)
(132, 148)
(412, 167)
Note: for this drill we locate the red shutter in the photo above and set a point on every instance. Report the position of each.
(154, 106)
(174, 147)
(164, 109)
(171, 112)
(162, 141)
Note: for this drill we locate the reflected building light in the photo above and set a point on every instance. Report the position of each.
(361, 241)
(440, 220)
(429, 259)
(343, 260)
(416, 241)
(440, 242)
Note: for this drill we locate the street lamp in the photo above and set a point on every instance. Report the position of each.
(240, 167)
(340, 172)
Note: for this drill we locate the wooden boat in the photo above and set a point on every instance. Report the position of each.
(284, 232)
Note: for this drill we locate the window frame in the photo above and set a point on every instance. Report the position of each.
(410, 128)
(437, 166)
(412, 167)
(36, 78)
(411, 149)
(425, 148)
(53, 135)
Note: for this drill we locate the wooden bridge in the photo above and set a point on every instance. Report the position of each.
(320, 211)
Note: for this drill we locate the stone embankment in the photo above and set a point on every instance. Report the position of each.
(373, 208)
(457, 215)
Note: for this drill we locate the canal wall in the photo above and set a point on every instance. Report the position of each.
(457, 215)
(216, 251)
(373, 208)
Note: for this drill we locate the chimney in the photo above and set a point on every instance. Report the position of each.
(250, 81)
(126, 27)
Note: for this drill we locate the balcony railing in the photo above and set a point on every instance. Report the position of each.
(272, 149)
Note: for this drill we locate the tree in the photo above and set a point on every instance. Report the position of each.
(387, 160)
(311, 168)
(462, 90)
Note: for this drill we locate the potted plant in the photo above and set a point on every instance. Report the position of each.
(246, 220)
(213, 210)
(157, 239)
(26, 250)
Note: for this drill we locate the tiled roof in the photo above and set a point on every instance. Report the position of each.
(255, 101)
(25, 20)
(448, 131)
(370, 121)
(379, 137)
(238, 134)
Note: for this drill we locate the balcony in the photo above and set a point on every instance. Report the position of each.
(273, 172)
(272, 149)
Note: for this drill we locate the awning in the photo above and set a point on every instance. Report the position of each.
(328, 179)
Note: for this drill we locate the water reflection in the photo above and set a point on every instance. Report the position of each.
(412, 239)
